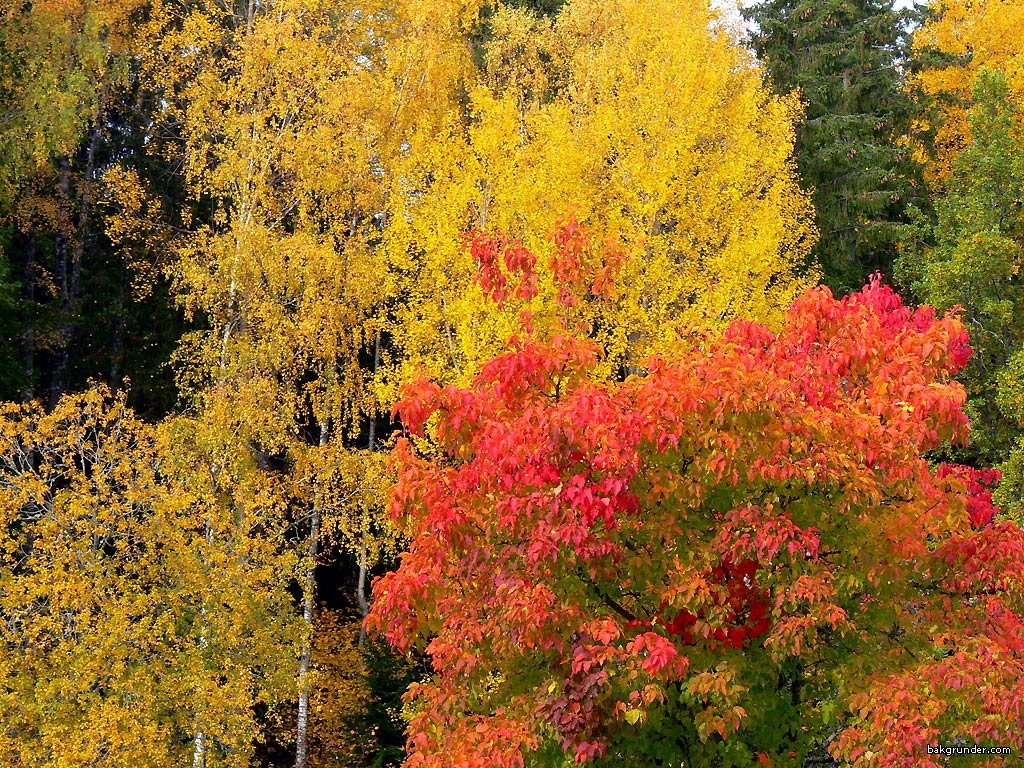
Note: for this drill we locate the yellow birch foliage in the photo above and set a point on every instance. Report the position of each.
(143, 591)
(977, 34)
(235, 618)
(60, 59)
(287, 117)
(62, 64)
(289, 122)
(86, 632)
(292, 122)
(340, 696)
(288, 131)
(647, 123)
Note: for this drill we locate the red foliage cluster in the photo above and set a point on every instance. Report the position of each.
(978, 484)
(576, 263)
(744, 605)
(583, 551)
(499, 262)
(506, 270)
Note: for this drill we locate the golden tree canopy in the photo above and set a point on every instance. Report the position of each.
(977, 34)
(643, 120)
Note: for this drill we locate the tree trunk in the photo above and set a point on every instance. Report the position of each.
(69, 276)
(371, 443)
(58, 375)
(199, 738)
(88, 182)
(199, 747)
(364, 604)
(117, 343)
(308, 608)
(28, 296)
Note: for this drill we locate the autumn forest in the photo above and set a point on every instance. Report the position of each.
(511, 383)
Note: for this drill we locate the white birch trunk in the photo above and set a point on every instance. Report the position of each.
(308, 608)
(364, 603)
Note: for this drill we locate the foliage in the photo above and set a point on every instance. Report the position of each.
(645, 123)
(297, 208)
(842, 57)
(282, 281)
(59, 59)
(87, 638)
(340, 696)
(233, 582)
(714, 563)
(357, 720)
(134, 604)
(970, 257)
(970, 132)
(69, 96)
(959, 39)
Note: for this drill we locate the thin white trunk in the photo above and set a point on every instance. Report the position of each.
(447, 331)
(364, 603)
(308, 608)
(199, 748)
(199, 739)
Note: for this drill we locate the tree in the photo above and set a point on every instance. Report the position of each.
(281, 277)
(644, 122)
(970, 257)
(959, 39)
(136, 603)
(355, 709)
(239, 631)
(69, 89)
(65, 65)
(725, 561)
(87, 626)
(971, 96)
(843, 59)
(10, 360)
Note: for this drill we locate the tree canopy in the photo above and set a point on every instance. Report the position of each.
(843, 58)
(714, 563)
(652, 493)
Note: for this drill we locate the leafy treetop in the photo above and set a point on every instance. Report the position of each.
(966, 36)
(716, 562)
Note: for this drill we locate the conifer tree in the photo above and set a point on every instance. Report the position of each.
(843, 58)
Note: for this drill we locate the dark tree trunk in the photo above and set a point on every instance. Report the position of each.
(28, 296)
(68, 275)
(58, 376)
(117, 342)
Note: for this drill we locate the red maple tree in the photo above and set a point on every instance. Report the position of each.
(740, 556)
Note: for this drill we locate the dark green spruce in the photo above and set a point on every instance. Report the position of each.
(843, 58)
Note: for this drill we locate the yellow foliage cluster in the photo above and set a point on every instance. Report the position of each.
(79, 676)
(130, 587)
(62, 57)
(647, 124)
(977, 34)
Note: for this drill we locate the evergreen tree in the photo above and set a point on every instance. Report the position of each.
(843, 58)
